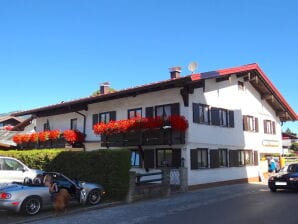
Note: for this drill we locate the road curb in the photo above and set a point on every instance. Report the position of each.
(70, 212)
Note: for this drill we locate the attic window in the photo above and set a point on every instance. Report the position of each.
(240, 85)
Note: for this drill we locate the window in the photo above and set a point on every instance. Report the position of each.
(269, 127)
(103, 117)
(163, 111)
(164, 157)
(134, 113)
(135, 159)
(199, 158)
(223, 157)
(10, 164)
(201, 113)
(241, 158)
(74, 124)
(223, 120)
(250, 123)
(222, 117)
(168, 158)
(46, 127)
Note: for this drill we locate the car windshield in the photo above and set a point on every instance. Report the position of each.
(10, 164)
(292, 169)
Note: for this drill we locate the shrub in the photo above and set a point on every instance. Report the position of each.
(107, 167)
(38, 159)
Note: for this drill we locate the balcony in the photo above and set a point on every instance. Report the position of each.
(158, 136)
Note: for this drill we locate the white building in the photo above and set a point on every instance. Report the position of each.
(234, 118)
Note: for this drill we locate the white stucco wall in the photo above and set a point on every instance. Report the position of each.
(243, 102)
(204, 176)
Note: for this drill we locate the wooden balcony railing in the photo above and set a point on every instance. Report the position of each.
(144, 137)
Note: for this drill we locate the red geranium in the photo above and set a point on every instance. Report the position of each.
(43, 136)
(54, 134)
(26, 137)
(72, 136)
(99, 128)
(17, 139)
(34, 137)
(178, 122)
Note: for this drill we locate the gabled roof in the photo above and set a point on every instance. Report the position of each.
(251, 73)
(288, 136)
(6, 118)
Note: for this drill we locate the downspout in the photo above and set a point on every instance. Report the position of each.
(84, 126)
(84, 116)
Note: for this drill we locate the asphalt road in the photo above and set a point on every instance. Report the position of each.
(242, 203)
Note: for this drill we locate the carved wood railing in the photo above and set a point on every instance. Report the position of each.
(144, 137)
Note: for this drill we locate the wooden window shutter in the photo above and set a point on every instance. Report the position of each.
(256, 158)
(245, 123)
(149, 112)
(215, 116)
(233, 158)
(231, 118)
(196, 112)
(214, 158)
(257, 124)
(148, 158)
(113, 116)
(273, 128)
(94, 119)
(175, 109)
(176, 158)
(194, 159)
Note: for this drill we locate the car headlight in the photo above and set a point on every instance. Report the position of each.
(271, 178)
(4, 195)
(293, 178)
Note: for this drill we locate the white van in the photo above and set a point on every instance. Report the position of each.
(12, 169)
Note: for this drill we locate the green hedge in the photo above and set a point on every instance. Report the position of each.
(38, 159)
(107, 167)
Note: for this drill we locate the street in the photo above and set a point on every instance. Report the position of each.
(242, 203)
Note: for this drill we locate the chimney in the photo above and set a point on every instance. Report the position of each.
(175, 72)
(105, 88)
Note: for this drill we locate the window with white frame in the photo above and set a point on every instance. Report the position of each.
(199, 158)
(269, 127)
(163, 110)
(135, 159)
(132, 113)
(223, 157)
(74, 124)
(250, 123)
(203, 114)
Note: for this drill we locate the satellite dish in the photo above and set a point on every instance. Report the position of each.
(192, 66)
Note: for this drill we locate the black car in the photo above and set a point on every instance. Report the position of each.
(285, 179)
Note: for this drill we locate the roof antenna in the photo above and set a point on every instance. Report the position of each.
(192, 66)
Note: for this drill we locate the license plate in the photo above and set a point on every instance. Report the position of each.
(281, 183)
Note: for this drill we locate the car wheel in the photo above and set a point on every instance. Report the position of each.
(31, 205)
(94, 197)
(272, 189)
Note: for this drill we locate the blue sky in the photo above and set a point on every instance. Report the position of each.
(58, 50)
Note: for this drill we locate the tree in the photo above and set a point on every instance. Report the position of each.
(288, 131)
(294, 146)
